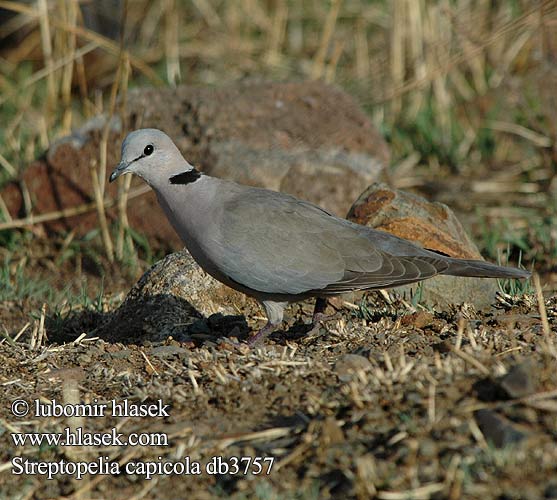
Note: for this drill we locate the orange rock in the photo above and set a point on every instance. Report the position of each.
(433, 226)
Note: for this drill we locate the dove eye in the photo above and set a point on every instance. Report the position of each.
(148, 150)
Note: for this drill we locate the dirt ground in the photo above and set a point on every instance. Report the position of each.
(384, 400)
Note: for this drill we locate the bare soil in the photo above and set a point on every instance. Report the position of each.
(390, 401)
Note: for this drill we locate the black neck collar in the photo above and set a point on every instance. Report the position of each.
(186, 177)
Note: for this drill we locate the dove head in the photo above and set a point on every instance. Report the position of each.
(150, 154)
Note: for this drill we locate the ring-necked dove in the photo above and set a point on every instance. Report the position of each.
(274, 247)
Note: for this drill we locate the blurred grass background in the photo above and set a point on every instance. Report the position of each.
(463, 90)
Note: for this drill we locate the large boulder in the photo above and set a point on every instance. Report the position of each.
(309, 139)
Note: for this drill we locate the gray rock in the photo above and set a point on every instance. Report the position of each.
(308, 139)
(550, 490)
(518, 382)
(168, 351)
(496, 429)
(349, 365)
(172, 298)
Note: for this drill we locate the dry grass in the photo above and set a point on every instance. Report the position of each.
(363, 410)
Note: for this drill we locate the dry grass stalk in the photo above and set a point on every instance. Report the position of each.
(471, 360)
(277, 33)
(125, 182)
(100, 174)
(475, 59)
(548, 335)
(171, 43)
(4, 210)
(508, 57)
(462, 322)
(21, 332)
(101, 208)
(45, 72)
(454, 477)
(91, 36)
(67, 212)
(70, 12)
(151, 23)
(6, 466)
(103, 147)
(509, 29)
(33, 338)
(208, 12)
(193, 380)
(6, 336)
(416, 35)
(152, 369)
(535, 138)
(477, 434)
(420, 493)
(267, 434)
(46, 44)
(38, 334)
(388, 362)
(330, 71)
(296, 453)
(362, 51)
(397, 53)
(42, 331)
(78, 340)
(6, 164)
(123, 226)
(328, 30)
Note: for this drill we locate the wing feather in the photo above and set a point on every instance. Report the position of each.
(274, 243)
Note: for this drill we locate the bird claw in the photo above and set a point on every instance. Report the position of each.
(261, 335)
(319, 318)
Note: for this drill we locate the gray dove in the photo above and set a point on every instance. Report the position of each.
(273, 246)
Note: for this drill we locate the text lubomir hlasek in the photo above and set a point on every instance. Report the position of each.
(113, 408)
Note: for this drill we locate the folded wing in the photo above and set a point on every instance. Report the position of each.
(293, 247)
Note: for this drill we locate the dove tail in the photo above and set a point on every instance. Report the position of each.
(480, 269)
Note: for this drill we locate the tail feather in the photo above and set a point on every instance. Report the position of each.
(481, 269)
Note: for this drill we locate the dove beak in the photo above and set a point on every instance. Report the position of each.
(118, 171)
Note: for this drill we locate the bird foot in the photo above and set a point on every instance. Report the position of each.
(319, 313)
(319, 318)
(316, 321)
(261, 335)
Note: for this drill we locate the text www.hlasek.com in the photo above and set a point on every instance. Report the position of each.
(79, 437)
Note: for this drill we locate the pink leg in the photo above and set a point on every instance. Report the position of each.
(261, 335)
(274, 311)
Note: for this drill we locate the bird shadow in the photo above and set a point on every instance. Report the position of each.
(141, 320)
(297, 331)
